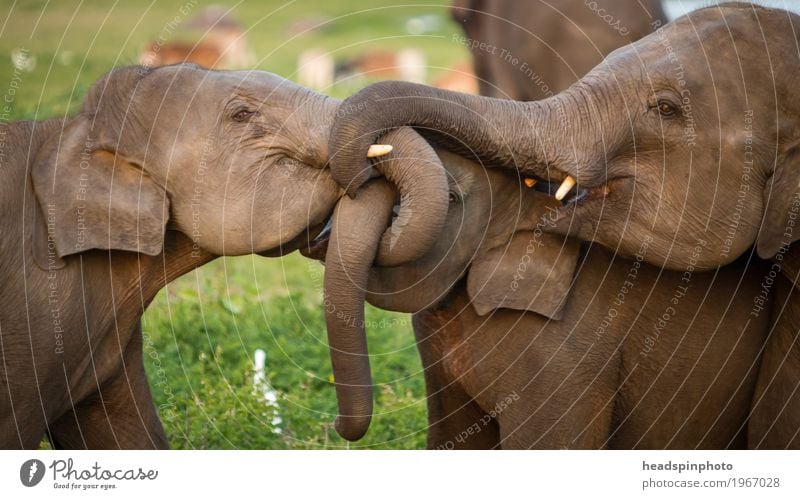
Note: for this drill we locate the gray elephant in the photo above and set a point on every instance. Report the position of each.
(687, 135)
(161, 170)
(519, 353)
(533, 49)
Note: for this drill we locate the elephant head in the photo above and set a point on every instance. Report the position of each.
(689, 136)
(489, 240)
(233, 159)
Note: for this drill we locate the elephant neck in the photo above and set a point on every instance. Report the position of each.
(144, 276)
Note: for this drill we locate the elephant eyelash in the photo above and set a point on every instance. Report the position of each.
(243, 115)
(666, 108)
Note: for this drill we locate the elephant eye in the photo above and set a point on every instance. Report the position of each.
(666, 108)
(454, 197)
(243, 115)
(288, 163)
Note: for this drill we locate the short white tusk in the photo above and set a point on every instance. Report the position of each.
(376, 150)
(565, 187)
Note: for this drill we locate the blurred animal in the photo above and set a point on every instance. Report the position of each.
(207, 55)
(305, 25)
(406, 65)
(220, 28)
(315, 69)
(533, 49)
(220, 43)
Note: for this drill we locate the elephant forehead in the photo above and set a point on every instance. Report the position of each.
(708, 30)
(727, 28)
(211, 85)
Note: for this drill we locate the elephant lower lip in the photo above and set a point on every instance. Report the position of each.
(299, 243)
(575, 196)
(579, 197)
(317, 249)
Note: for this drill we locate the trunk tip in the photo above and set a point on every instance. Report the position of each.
(352, 191)
(352, 428)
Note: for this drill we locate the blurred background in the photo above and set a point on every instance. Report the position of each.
(236, 351)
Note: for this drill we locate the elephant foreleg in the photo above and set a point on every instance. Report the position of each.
(775, 419)
(455, 421)
(121, 415)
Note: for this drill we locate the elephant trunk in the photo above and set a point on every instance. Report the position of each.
(416, 170)
(413, 166)
(357, 228)
(532, 136)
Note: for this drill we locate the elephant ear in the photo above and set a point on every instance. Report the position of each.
(781, 223)
(90, 197)
(533, 272)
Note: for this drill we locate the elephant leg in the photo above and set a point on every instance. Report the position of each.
(23, 404)
(569, 404)
(775, 418)
(121, 415)
(24, 426)
(455, 420)
(563, 422)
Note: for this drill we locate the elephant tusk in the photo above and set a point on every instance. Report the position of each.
(565, 187)
(376, 150)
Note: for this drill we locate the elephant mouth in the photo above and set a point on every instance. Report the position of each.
(299, 242)
(572, 195)
(317, 248)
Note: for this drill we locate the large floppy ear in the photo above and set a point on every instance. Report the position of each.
(533, 272)
(781, 223)
(92, 197)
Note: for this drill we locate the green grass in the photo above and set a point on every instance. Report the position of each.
(202, 330)
(200, 335)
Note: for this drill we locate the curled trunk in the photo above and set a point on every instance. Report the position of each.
(528, 135)
(357, 228)
(413, 166)
(417, 172)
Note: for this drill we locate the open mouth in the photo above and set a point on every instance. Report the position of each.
(317, 248)
(568, 192)
(299, 242)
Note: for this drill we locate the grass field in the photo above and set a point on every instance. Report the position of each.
(202, 330)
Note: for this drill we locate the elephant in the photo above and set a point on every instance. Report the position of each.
(519, 353)
(531, 50)
(689, 134)
(162, 170)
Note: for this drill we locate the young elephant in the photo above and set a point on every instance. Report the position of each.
(161, 170)
(518, 353)
(690, 134)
